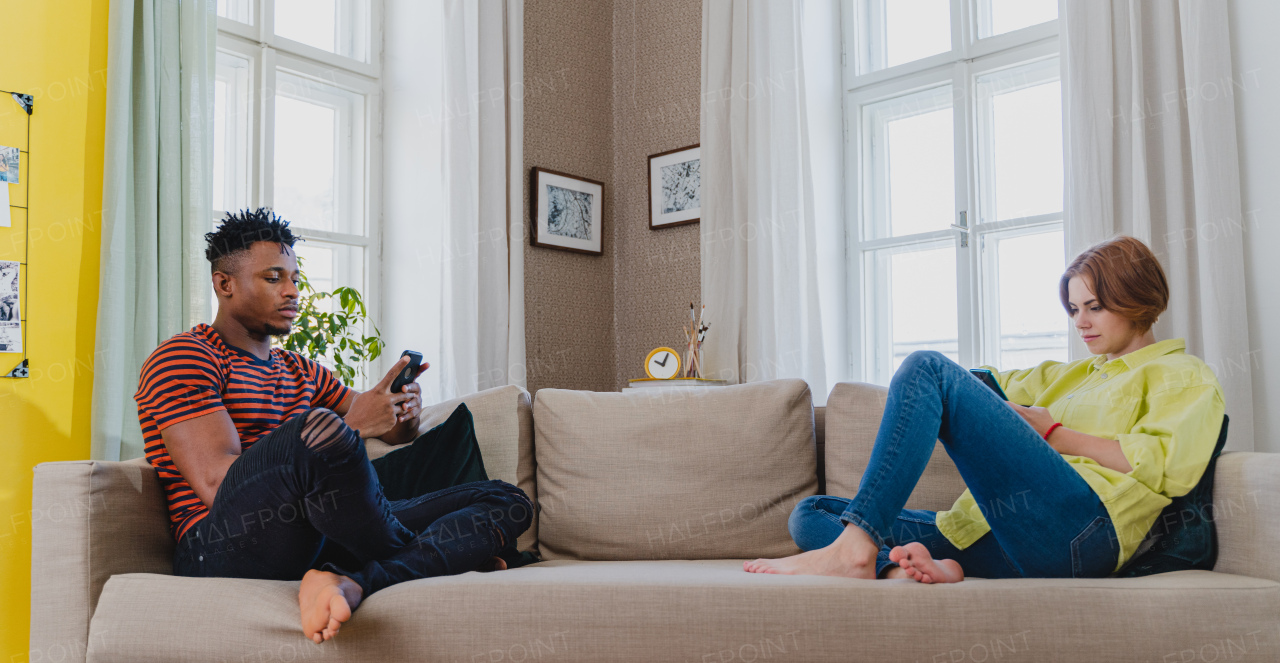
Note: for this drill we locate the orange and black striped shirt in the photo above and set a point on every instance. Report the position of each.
(196, 373)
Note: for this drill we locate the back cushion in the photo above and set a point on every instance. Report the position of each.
(853, 418)
(706, 473)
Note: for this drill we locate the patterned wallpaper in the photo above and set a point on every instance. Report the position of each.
(607, 83)
(568, 127)
(657, 69)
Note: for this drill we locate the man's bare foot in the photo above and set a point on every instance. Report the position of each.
(851, 555)
(494, 564)
(326, 600)
(919, 565)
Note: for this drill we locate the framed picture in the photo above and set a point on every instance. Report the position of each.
(675, 187)
(567, 212)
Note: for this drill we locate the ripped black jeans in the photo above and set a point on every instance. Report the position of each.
(307, 496)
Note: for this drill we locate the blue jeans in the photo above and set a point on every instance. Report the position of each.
(1046, 522)
(307, 496)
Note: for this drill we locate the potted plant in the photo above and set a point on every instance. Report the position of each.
(334, 338)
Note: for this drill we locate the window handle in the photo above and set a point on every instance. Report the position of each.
(963, 227)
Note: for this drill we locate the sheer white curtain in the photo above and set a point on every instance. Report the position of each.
(1150, 150)
(453, 191)
(772, 243)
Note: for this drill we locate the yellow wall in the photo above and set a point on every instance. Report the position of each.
(57, 51)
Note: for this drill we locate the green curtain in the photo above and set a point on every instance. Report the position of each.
(156, 200)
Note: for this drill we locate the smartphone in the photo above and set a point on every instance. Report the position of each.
(988, 379)
(408, 373)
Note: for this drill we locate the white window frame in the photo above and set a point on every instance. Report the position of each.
(968, 59)
(267, 53)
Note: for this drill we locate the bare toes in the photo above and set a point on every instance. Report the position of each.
(915, 547)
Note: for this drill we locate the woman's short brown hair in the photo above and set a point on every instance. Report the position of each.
(1126, 278)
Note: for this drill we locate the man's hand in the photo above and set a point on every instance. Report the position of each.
(1038, 417)
(406, 428)
(376, 412)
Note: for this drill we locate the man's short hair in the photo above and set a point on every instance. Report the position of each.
(240, 231)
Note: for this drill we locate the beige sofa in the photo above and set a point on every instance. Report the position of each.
(648, 504)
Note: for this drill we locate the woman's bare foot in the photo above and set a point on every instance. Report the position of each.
(326, 601)
(851, 555)
(919, 565)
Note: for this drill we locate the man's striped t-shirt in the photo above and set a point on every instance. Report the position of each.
(196, 373)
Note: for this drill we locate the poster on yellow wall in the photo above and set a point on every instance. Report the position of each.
(10, 317)
(9, 174)
(9, 164)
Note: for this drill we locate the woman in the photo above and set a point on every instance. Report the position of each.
(1062, 481)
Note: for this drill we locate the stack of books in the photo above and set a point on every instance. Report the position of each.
(655, 383)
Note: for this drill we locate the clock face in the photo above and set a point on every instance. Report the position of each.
(663, 364)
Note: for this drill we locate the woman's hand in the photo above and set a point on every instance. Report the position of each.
(1065, 441)
(1038, 417)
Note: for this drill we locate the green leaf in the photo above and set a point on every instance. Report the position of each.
(317, 330)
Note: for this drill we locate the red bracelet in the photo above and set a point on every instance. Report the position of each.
(1050, 431)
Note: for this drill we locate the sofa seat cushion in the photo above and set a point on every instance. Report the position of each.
(701, 610)
(672, 474)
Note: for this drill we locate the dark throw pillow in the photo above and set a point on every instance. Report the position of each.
(1183, 537)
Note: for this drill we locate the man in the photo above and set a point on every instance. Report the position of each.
(261, 453)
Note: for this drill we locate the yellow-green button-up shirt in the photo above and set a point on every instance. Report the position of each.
(1163, 406)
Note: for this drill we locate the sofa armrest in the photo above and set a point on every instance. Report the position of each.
(89, 521)
(1246, 513)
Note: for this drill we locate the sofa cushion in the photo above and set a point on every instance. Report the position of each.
(853, 418)
(1246, 513)
(672, 474)
(699, 611)
(504, 429)
(89, 520)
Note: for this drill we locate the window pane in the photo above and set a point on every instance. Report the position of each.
(899, 31)
(1030, 325)
(911, 171)
(337, 26)
(997, 17)
(912, 296)
(1020, 141)
(328, 266)
(236, 10)
(231, 124)
(319, 155)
